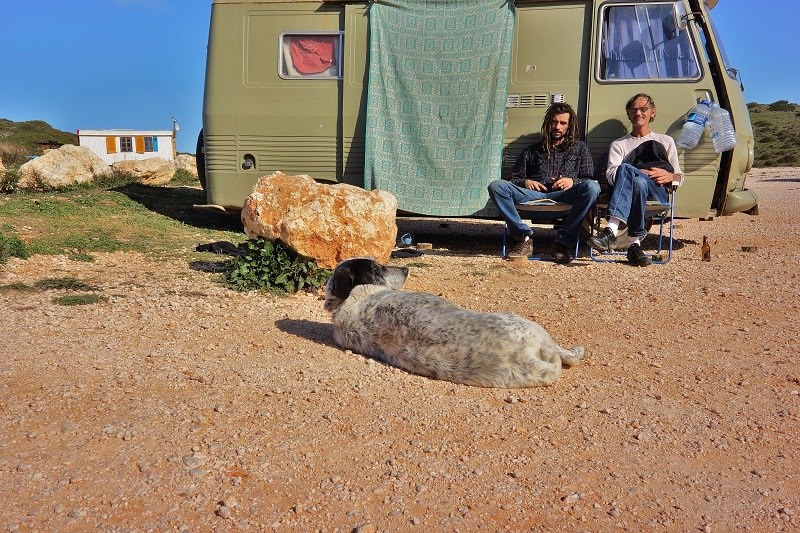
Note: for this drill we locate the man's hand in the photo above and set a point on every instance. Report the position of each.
(659, 175)
(563, 183)
(535, 185)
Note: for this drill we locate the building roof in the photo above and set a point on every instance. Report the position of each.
(123, 133)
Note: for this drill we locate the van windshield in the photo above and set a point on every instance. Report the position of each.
(642, 42)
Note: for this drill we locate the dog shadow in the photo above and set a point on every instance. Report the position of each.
(319, 332)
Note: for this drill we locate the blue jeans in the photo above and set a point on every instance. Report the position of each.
(581, 196)
(632, 189)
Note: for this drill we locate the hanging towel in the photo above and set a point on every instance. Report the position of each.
(438, 77)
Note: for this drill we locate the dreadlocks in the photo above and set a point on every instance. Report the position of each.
(572, 132)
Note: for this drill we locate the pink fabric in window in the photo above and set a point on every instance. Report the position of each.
(312, 55)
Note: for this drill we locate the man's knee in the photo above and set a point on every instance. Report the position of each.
(498, 185)
(591, 187)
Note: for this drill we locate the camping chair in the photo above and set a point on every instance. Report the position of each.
(540, 210)
(659, 214)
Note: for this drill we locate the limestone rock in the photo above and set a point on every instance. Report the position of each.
(64, 166)
(186, 162)
(150, 171)
(326, 222)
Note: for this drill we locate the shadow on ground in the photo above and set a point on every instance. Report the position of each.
(177, 203)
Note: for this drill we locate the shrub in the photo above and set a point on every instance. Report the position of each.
(781, 105)
(273, 266)
(12, 246)
(9, 180)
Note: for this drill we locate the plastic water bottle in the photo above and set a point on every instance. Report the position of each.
(694, 126)
(723, 136)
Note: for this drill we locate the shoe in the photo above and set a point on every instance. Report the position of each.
(637, 256)
(521, 248)
(603, 242)
(562, 254)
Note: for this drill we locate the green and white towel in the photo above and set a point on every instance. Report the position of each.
(438, 77)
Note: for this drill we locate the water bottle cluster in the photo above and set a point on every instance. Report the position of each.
(711, 115)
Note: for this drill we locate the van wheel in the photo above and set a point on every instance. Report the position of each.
(200, 159)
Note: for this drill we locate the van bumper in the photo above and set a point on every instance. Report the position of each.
(738, 201)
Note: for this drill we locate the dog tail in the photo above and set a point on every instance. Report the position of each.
(572, 356)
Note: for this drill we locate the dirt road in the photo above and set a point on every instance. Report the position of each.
(176, 405)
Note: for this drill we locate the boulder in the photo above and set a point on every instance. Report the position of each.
(327, 222)
(64, 166)
(186, 162)
(150, 171)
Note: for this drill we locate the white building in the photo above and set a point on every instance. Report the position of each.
(121, 145)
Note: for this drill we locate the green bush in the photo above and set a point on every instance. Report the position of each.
(781, 105)
(12, 246)
(275, 267)
(9, 181)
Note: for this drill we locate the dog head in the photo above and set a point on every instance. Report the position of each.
(360, 271)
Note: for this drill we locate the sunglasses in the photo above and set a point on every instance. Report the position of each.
(641, 110)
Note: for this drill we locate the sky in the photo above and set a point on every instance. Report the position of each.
(135, 64)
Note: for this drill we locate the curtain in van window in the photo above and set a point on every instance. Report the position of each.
(437, 87)
(643, 43)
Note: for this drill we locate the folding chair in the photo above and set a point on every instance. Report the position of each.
(539, 210)
(660, 214)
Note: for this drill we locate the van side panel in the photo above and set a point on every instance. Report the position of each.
(291, 125)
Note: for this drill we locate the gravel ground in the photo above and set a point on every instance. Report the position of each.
(177, 405)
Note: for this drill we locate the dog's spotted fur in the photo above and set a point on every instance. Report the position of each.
(427, 335)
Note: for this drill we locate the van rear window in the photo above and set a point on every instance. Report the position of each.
(643, 42)
(310, 55)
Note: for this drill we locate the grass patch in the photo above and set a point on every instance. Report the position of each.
(78, 299)
(114, 215)
(16, 286)
(66, 283)
(419, 264)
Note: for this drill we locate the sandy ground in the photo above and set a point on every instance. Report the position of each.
(176, 405)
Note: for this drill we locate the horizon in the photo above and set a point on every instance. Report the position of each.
(135, 64)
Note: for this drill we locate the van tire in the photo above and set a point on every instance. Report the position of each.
(200, 159)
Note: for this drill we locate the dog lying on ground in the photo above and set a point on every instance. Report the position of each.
(427, 335)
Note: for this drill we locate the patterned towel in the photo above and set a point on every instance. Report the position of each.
(438, 77)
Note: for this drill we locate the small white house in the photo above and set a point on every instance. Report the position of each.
(120, 145)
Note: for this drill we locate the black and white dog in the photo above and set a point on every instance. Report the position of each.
(427, 335)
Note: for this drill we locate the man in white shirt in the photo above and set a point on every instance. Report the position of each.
(641, 166)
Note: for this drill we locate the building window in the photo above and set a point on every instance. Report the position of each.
(643, 42)
(148, 144)
(310, 55)
(125, 144)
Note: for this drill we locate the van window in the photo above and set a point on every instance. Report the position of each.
(642, 42)
(310, 55)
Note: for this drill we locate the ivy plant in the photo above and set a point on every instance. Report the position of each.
(273, 266)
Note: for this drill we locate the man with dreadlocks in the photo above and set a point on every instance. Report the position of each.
(558, 167)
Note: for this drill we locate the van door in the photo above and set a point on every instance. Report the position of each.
(639, 49)
(549, 62)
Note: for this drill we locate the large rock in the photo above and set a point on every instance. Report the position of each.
(326, 222)
(150, 171)
(64, 166)
(186, 162)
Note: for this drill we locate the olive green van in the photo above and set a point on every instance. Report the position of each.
(263, 113)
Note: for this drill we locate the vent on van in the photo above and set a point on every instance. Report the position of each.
(528, 100)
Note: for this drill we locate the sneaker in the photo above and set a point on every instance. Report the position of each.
(637, 256)
(603, 242)
(561, 254)
(522, 248)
